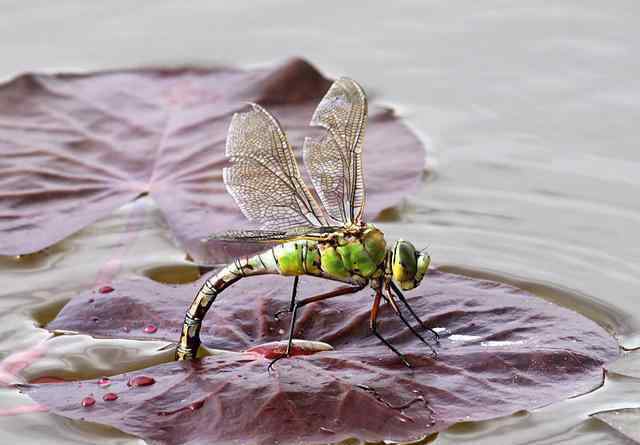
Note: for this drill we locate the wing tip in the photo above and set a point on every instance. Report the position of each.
(348, 86)
(241, 114)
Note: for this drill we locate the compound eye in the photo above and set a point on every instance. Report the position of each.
(423, 266)
(404, 262)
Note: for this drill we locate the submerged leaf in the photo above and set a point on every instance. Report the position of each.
(501, 350)
(73, 148)
(626, 421)
(627, 365)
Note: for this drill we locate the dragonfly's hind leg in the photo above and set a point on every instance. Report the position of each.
(408, 306)
(344, 290)
(374, 327)
(294, 292)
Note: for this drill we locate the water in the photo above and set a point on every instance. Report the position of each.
(529, 112)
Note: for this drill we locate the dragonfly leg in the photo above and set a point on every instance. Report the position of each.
(374, 328)
(343, 290)
(294, 292)
(389, 298)
(406, 303)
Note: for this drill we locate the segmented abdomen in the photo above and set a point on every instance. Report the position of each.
(349, 263)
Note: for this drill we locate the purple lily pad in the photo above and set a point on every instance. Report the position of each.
(73, 148)
(502, 350)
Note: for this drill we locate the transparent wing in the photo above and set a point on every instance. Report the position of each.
(264, 178)
(250, 235)
(272, 235)
(334, 161)
(228, 246)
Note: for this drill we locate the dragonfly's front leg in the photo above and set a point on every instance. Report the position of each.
(406, 303)
(344, 290)
(388, 296)
(294, 292)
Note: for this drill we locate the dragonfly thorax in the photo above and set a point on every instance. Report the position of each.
(355, 252)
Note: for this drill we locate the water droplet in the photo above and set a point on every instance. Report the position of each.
(88, 401)
(105, 289)
(125, 328)
(141, 380)
(110, 397)
(281, 331)
(150, 329)
(104, 382)
(95, 319)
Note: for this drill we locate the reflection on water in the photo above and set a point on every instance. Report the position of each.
(529, 113)
(488, 344)
(464, 338)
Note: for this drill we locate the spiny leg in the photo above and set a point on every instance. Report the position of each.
(389, 298)
(374, 327)
(294, 292)
(408, 306)
(344, 290)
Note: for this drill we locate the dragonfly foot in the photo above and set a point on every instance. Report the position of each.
(436, 336)
(276, 316)
(273, 362)
(405, 361)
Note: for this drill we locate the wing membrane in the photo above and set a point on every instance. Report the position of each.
(264, 178)
(227, 246)
(334, 161)
(270, 236)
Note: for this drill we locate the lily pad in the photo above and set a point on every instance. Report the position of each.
(74, 147)
(501, 350)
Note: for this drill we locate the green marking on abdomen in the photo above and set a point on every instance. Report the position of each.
(290, 258)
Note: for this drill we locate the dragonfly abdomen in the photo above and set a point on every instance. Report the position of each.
(300, 257)
(260, 264)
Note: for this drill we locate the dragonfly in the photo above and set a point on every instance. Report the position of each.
(320, 234)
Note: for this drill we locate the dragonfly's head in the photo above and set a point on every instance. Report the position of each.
(408, 265)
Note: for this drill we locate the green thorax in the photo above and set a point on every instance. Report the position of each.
(354, 251)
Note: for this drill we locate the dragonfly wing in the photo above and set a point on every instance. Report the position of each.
(334, 161)
(250, 235)
(264, 178)
(271, 236)
(227, 246)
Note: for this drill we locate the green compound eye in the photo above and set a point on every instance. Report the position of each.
(404, 265)
(423, 265)
(409, 266)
